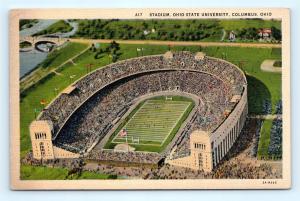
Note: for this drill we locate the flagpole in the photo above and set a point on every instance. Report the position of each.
(35, 113)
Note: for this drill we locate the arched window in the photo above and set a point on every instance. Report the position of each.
(200, 160)
(42, 149)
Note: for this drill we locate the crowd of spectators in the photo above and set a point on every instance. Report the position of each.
(239, 169)
(278, 107)
(85, 115)
(267, 107)
(233, 169)
(236, 165)
(275, 146)
(245, 138)
(258, 126)
(95, 118)
(131, 156)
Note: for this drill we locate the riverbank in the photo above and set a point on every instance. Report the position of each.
(54, 60)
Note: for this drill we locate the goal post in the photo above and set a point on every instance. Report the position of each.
(135, 140)
(169, 98)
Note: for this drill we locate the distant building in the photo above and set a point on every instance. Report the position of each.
(97, 45)
(232, 36)
(265, 33)
(146, 32)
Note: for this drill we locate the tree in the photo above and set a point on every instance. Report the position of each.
(171, 35)
(114, 45)
(145, 25)
(111, 34)
(98, 54)
(276, 33)
(176, 26)
(182, 35)
(114, 58)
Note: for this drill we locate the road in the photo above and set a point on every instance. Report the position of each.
(268, 66)
(34, 77)
(177, 43)
(74, 57)
(267, 116)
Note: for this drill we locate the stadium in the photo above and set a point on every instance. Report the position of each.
(179, 108)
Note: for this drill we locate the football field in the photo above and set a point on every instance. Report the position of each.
(153, 122)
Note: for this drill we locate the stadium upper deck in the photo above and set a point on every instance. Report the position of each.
(109, 91)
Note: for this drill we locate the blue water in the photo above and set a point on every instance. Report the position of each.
(42, 24)
(29, 60)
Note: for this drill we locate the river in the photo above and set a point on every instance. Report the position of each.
(30, 59)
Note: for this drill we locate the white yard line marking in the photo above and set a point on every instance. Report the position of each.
(175, 124)
(155, 136)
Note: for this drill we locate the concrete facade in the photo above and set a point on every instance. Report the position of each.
(207, 149)
(200, 157)
(34, 40)
(41, 141)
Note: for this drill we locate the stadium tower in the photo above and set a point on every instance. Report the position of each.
(220, 87)
(41, 141)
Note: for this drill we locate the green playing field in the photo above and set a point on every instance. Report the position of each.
(153, 122)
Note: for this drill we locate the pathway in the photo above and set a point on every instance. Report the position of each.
(268, 66)
(266, 116)
(177, 43)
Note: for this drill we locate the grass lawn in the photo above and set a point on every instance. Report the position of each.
(25, 44)
(168, 29)
(59, 56)
(48, 173)
(264, 139)
(33, 173)
(261, 85)
(60, 26)
(93, 175)
(237, 25)
(277, 64)
(153, 123)
(53, 60)
(233, 24)
(24, 24)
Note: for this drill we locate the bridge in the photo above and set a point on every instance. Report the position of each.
(35, 41)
